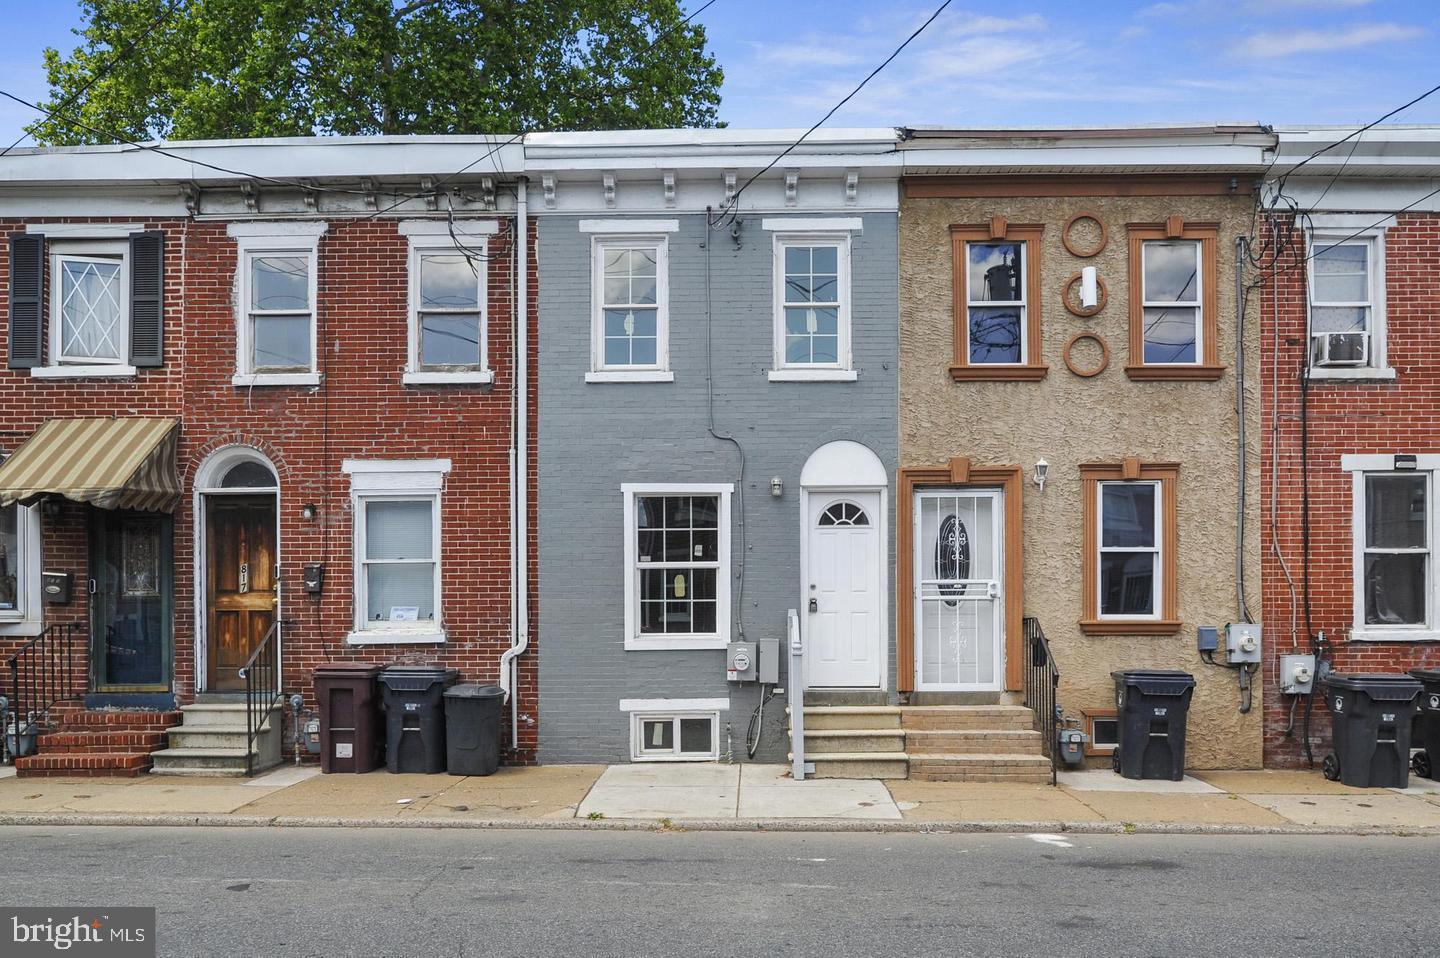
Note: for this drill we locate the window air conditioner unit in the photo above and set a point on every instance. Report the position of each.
(1340, 349)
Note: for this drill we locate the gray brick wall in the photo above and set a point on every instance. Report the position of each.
(594, 437)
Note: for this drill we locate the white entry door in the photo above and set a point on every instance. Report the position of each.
(959, 583)
(845, 620)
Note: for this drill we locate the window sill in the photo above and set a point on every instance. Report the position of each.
(999, 373)
(1353, 375)
(1153, 374)
(397, 637)
(651, 759)
(1399, 635)
(21, 628)
(1130, 627)
(477, 377)
(813, 375)
(275, 379)
(82, 372)
(677, 645)
(630, 376)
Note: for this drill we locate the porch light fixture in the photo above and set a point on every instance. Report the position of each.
(1042, 471)
(777, 486)
(309, 511)
(50, 507)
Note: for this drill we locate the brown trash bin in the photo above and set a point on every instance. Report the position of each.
(349, 716)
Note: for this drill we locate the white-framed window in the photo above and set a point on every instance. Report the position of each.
(812, 306)
(449, 306)
(395, 511)
(1395, 577)
(1129, 576)
(630, 309)
(89, 297)
(674, 736)
(1172, 311)
(677, 566)
(276, 294)
(20, 558)
(996, 285)
(1345, 276)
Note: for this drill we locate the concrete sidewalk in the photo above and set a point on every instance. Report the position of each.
(712, 795)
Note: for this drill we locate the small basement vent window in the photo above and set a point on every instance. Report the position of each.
(1104, 730)
(674, 738)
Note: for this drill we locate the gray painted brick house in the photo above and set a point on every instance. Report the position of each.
(717, 431)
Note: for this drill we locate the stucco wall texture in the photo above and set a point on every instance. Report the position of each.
(1068, 420)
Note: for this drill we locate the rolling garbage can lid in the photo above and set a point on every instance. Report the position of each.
(415, 678)
(347, 669)
(1426, 675)
(474, 692)
(1155, 681)
(1380, 686)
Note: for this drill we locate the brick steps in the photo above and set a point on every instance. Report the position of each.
(97, 743)
(83, 765)
(102, 742)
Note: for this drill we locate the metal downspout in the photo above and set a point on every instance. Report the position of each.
(520, 469)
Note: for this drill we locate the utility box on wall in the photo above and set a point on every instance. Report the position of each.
(740, 662)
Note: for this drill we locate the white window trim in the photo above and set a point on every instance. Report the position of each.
(1198, 303)
(1157, 569)
(599, 372)
(441, 228)
(393, 480)
(85, 241)
(274, 239)
(843, 370)
(812, 224)
(1023, 302)
(1361, 466)
(28, 620)
(637, 725)
(620, 227)
(422, 243)
(634, 641)
(1330, 232)
(85, 231)
(68, 371)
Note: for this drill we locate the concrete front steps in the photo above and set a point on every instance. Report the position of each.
(100, 743)
(952, 743)
(211, 741)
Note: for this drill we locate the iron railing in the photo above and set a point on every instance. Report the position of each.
(46, 671)
(262, 690)
(1042, 683)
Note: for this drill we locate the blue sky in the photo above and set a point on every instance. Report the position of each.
(1075, 62)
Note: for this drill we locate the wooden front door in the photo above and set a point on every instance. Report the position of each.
(242, 589)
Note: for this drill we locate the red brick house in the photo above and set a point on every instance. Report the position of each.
(271, 408)
(1350, 357)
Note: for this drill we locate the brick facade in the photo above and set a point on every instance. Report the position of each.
(1340, 418)
(361, 411)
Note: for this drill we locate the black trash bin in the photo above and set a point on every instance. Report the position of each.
(1427, 724)
(1370, 725)
(472, 729)
(1151, 708)
(415, 717)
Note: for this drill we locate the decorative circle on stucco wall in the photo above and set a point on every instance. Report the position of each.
(1099, 243)
(1104, 355)
(1073, 304)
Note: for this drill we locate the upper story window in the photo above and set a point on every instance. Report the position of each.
(276, 339)
(1174, 321)
(629, 300)
(677, 547)
(449, 309)
(1346, 292)
(997, 302)
(103, 315)
(1130, 562)
(812, 306)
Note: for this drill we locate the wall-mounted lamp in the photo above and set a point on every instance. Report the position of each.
(777, 486)
(1042, 471)
(309, 511)
(50, 508)
(1089, 288)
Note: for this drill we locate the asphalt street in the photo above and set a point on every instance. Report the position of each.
(412, 892)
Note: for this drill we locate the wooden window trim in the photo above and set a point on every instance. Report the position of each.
(1209, 368)
(1089, 716)
(1168, 475)
(959, 473)
(997, 229)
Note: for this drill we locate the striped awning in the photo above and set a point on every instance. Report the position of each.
(111, 463)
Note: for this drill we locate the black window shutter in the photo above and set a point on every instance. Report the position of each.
(27, 282)
(147, 301)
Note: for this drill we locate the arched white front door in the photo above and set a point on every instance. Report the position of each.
(843, 497)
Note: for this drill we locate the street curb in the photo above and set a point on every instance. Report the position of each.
(719, 825)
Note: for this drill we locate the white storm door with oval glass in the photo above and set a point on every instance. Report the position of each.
(845, 618)
(959, 605)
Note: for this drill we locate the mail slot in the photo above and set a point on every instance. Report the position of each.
(57, 587)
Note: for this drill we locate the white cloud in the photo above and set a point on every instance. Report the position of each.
(1277, 44)
(804, 55)
(976, 24)
(1229, 8)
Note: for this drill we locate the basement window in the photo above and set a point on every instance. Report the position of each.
(680, 737)
(1103, 728)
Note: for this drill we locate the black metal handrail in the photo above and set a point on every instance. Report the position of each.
(261, 673)
(43, 673)
(1042, 683)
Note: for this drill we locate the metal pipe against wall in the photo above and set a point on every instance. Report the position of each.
(1242, 607)
(520, 472)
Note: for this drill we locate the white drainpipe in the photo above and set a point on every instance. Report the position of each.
(519, 471)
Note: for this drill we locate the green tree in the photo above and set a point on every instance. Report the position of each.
(201, 69)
